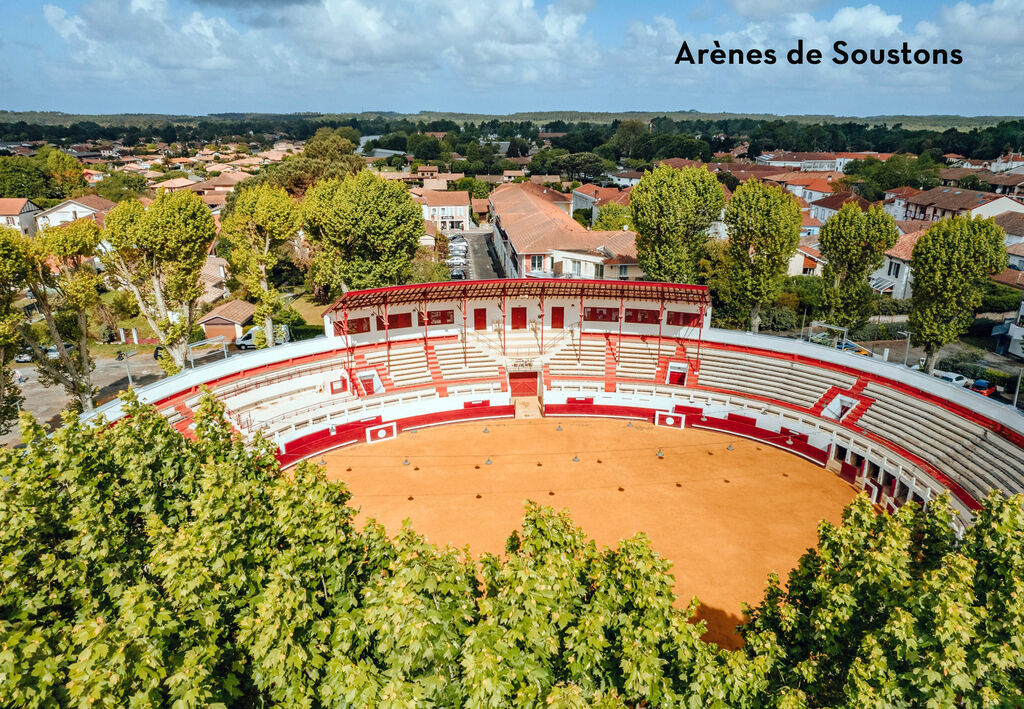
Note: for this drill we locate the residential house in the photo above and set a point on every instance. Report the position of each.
(826, 207)
(941, 202)
(1013, 224)
(510, 175)
(227, 320)
(175, 184)
(626, 178)
(1011, 339)
(214, 276)
(88, 206)
(894, 276)
(807, 261)
(534, 235)
(1005, 163)
(482, 210)
(592, 198)
(19, 213)
(895, 200)
(815, 161)
(449, 210)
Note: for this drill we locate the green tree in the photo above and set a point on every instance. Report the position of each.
(671, 213)
(585, 166)
(13, 273)
(22, 177)
(613, 217)
(65, 171)
(156, 254)
(950, 264)
(853, 243)
(119, 186)
(627, 139)
(367, 226)
(65, 287)
(764, 231)
(263, 220)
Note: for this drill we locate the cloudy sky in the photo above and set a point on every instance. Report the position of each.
(496, 56)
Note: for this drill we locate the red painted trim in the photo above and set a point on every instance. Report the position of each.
(773, 438)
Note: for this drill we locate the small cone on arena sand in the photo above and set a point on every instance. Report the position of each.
(487, 462)
(660, 454)
(405, 462)
(629, 424)
(575, 459)
(485, 430)
(559, 427)
(729, 447)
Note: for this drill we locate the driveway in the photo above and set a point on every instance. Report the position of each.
(482, 264)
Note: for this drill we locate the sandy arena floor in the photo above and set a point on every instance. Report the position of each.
(724, 518)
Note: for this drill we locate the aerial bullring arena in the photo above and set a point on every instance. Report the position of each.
(451, 404)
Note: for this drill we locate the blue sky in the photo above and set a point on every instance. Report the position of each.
(497, 56)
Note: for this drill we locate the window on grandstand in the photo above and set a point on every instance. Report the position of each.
(395, 321)
(598, 270)
(536, 263)
(601, 314)
(681, 319)
(641, 316)
(357, 325)
(439, 317)
(623, 273)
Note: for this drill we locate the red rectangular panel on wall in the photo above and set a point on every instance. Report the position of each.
(601, 314)
(681, 319)
(479, 318)
(518, 318)
(523, 383)
(557, 318)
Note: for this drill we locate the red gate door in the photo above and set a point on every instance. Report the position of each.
(523, 383)
(479, 318)
(367, 382)
(518, 318)
(557, 318)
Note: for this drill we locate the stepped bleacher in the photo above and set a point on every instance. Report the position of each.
(476, 364)
(639, 359)
(784, 380)
(407, 366)
(582, 358)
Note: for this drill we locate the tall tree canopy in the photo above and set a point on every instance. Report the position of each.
(672, 211)
(853, 243)
(142, 568)
(13, 271)
(365, 229)
(950, 265)
(263, 220)
(764, 231)
(156, 253)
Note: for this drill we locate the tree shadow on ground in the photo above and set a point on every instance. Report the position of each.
(721, 626)
(111, 390)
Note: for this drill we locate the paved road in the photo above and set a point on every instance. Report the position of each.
(481, 262)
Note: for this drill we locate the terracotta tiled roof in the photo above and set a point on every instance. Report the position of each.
(1010, 277)
(11, 206)
(446, 198)
(535, 224)
(1016, 249)
(904, 248)
(837, 200)
(952, 198)
(236, 311)
(95, 202)
(1011, 222)
(908, 225)
(481, 205)
(903, 192)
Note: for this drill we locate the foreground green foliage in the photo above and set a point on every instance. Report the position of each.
(138, 568)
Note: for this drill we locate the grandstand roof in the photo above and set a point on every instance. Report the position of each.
(523, 288)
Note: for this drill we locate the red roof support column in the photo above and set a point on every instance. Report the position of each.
(542, 321)
(700, 336)
(502, 321)
(387, 339)
(464, 317)
(618, 343)
(579, 346)
(661, 319)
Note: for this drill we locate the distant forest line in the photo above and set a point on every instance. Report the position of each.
(689, 135)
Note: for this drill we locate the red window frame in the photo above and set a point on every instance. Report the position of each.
(642, 316)
(596, 314)
(682, 319)
(357, 325)
(438, 317)
(396, 321)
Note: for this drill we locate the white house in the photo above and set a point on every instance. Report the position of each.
(895, 201)
(449, 210)
(941, 202)
(20, 214)
(87, 206)
(827, 207)
(1005, 163)
(894, 277)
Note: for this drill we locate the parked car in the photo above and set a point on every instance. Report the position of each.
(457, 239)
(52, 353)
(983, 387)
(853, 348)
(247, 341)
(953, 378)
(456, 250)
(24, 355)
(455, 261)
(458, 274)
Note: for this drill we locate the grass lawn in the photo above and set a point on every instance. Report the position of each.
(311, 312)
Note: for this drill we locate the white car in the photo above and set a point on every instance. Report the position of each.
(953, 378)
(281, 335)
(456, 261)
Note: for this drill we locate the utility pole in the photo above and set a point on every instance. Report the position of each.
(906, 354)
(123, 356)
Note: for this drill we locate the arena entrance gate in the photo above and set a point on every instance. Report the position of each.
(522, 383)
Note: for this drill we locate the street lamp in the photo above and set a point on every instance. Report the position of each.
(906, 354)
(123, 356)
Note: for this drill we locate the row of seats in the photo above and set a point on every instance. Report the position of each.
(471, 364)
(590, 354)
(407, 366)
(792, 382)
(973, 456)
(639, 360)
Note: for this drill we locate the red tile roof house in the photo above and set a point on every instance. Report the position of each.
(593, 197)
(227, 320)
(19, 213)
(535, 236)
(893, 276)
(941, 202)
(895, 200)
(90, 205)
(449, 210)
(824, 208)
